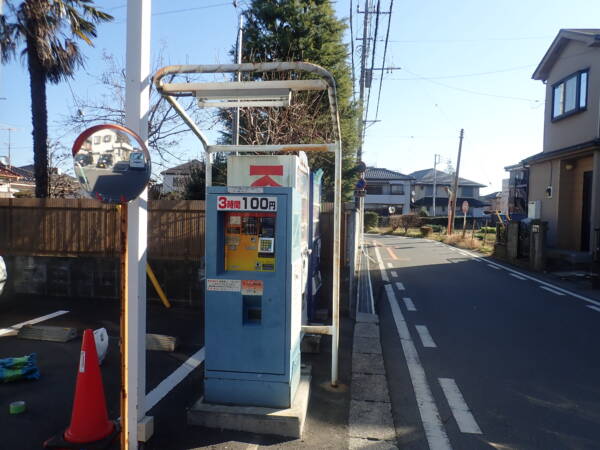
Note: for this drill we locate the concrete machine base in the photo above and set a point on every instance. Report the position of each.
(281, 422)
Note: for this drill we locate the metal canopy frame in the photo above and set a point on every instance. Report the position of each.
(266, 93)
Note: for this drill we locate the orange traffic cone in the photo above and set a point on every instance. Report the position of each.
(89, 419)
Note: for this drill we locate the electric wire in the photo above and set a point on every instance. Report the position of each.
(377, 13)
(387, 36)
(352, 53)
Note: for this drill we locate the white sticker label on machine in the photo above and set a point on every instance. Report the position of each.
(243, 203)
(215, 284)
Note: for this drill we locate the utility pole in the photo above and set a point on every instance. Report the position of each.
(238, 76)
(454, 193)
(435, 163)
(363, 77)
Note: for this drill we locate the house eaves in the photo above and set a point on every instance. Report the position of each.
(569, 152)
(588, 36)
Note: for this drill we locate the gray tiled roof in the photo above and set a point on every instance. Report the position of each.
(426, 177)
(376, 173)
(184, 168)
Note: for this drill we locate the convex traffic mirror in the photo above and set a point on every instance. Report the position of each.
(111, 163)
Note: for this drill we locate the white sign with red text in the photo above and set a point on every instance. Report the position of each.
(244, 203)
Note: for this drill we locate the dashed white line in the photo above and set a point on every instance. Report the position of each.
(384, 276)
(394, 273)
(426, 338)
(519, 277)
(461, 412)
(493, 266)
(13, 329)
(432, 424)
(595, 308)
(410, 306)
(399, 286)
(552, 290)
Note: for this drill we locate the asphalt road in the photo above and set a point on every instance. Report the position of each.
(116, 184)
(482, 356)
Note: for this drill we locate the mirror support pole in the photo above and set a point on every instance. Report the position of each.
(137, 97)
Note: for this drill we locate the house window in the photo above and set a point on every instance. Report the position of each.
(569, 95)
(374, 190)
(106, 138)
(96, 140)
(397, 189)
(467, 191)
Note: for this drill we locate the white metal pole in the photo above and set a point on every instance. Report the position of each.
(238, 77)
(337, 222)
(137, 99)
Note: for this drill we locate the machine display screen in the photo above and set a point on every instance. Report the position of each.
(250, 241)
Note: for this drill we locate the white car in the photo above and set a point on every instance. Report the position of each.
(137, 161)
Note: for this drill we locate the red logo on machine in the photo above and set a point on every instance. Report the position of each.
(266, 172)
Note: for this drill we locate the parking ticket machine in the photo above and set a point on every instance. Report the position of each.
(253, 302)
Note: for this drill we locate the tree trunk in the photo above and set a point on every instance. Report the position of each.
(39, 119)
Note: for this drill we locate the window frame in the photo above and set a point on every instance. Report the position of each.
(392, 186)
(578, 108)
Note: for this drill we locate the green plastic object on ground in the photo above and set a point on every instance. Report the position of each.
(21, 368)
(17, 407)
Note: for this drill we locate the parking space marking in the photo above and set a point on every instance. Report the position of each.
(410, 306)
(430, 417)
(551, 290)
(384, 276)
(595, 308)
(166, 385)
(493, 266)
(461, 412)
(518, 277)
(399, 286)
(426, 338)
(394, 273)
(13, 329)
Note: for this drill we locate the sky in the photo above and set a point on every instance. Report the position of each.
(464, 64)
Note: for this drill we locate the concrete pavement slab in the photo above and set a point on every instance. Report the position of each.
(364, 317)
(366, 345)
(367, 363)
(356, 443)
(366, 330)
(371, 388)
(371, 420)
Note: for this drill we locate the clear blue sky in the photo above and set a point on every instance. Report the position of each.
(465, 64)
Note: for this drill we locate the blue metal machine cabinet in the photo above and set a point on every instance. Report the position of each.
(253, 302)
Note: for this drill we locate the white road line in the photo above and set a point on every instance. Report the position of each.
(384, 276)
(410, 306)
(394, 273)
(552, 290)
(519, 277)
(390, 265)
(537, 280)
(463, 416)
(595, 308)
(426, 338)
(493, 266)
(166, 385)
(432, 424)
(392, 254)
(13, 329)
(399, 286)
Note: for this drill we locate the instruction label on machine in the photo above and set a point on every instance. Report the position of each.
(215, 284)
(243, 203)
(252, 287)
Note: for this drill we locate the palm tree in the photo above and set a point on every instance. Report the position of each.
(49, 30)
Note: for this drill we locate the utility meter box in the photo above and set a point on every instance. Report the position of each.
(253, 302)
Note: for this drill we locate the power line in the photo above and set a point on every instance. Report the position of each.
(377, 12)
(467, 75)
(469, 91)
(352, 53)
(455, 41)
(387, 35)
